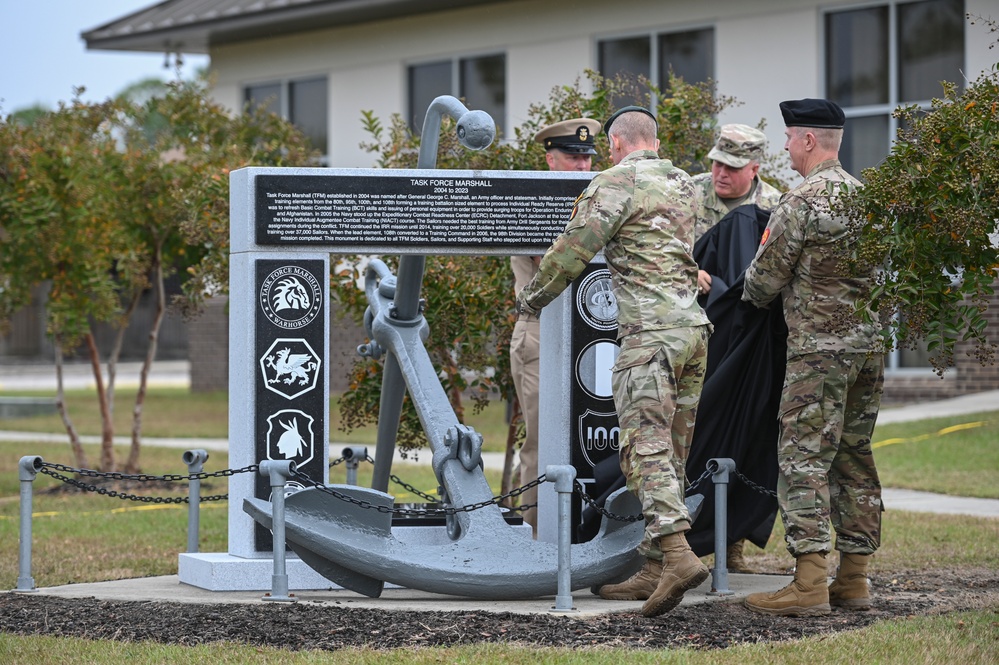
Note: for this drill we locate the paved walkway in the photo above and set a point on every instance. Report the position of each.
(77, 376)
(584, 602)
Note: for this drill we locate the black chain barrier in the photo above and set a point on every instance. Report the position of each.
(430, 497)
(756, 487)
(416, 512)
(697, 483)
(588, 500)
(409, 488)
(52, 469)
(578, 489)
(581, 491)
(394, 478)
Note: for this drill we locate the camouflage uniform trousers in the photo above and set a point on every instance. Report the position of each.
(657, 386)
(828, 409)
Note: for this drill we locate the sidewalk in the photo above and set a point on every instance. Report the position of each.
(963, 404)
(79, 376)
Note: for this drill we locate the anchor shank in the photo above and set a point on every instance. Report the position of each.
(389, 412)
(436, 414)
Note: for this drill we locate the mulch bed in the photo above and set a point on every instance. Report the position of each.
(306, 625)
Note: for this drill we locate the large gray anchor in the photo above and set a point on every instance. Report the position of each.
(345, 532)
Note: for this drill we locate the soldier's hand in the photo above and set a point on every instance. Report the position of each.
(703, 282)
(524, 308)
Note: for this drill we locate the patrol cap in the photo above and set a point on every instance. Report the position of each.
(573, 136)
(738, 145)
(812, 113)
(628, 109)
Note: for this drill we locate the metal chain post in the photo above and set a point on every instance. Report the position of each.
(278, 472)
(195, 460)
(27, 470)
(720, 468)
(353, 455)
(563, 476)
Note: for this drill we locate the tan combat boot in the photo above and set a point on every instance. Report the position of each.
(850, 589)
(806, 596)
(637, 587)
(682, 571)
(734, 559)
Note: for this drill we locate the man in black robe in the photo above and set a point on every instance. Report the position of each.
(737, 417)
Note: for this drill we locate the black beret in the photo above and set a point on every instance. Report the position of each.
(812, 113)
(627, 109)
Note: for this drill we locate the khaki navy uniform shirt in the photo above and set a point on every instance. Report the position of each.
(524, 269)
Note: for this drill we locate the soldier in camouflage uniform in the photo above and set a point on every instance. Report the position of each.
(832, 390)
(734, 181)
(640, 213)
(568, 147)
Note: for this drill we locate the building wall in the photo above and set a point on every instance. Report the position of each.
(766, 51)
(967, 376)
(208, 341)
(26, 339)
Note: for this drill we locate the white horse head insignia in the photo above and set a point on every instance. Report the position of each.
(290, 294)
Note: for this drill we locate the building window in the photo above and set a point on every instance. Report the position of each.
(304, 102)
(881, 57)
(878, 58)
(625, 56)
(479, 81)
(689, 54)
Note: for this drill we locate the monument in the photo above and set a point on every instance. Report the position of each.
(285, 223)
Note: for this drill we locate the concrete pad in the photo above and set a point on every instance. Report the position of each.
(169, 588)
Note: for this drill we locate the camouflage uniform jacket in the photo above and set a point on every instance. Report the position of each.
(641, 213)
(713, 208)
(798, 259)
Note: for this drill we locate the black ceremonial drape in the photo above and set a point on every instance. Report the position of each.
(747, 356)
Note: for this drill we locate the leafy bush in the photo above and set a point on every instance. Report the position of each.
(927, 217)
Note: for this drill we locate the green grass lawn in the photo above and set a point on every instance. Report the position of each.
(956, 455)
(84, 536)
(178, 413)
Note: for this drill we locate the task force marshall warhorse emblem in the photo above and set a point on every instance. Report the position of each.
(291, 297)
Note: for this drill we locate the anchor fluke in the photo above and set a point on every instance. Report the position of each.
(355, 547)
(310, 505)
